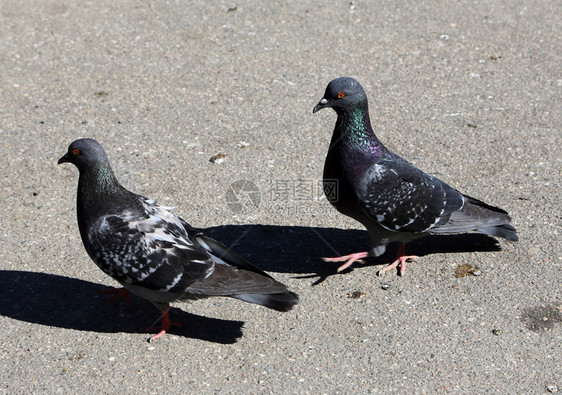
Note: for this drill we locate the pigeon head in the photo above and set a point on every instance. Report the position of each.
(342, 94)
(84, 152)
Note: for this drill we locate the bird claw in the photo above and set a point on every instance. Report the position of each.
(401, 261)
(156, 336)
(350, 259)
(163, 327)
(161, 330)
(349, 263)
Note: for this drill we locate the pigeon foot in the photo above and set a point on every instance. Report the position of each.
(350, 259)
(161, 329)
(400, 261)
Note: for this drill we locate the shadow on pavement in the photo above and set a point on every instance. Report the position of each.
(71, 303)
(298, 249)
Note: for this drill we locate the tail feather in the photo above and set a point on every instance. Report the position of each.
(478, 216)
(280, 302)
(220, 252)
(480, 203)
(506, 231)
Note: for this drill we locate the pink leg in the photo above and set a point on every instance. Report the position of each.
(349, 258)
(117, 293)
(400, 260)
(166, 324)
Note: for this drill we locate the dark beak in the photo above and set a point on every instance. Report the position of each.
(63, 159)
(321, 104)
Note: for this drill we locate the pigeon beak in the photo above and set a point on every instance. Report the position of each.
(63, 159)
(321, 104)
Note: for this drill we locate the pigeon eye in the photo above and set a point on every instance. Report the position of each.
(75, 151)
(341, 95)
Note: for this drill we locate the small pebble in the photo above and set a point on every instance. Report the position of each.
(385, 286)
(218, 158)
(497, 332)
(552, 388)
(355, 295)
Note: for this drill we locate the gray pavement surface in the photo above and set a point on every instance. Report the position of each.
(470, 91)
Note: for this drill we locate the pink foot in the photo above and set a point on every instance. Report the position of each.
(117, 293)
(401, 260)
(357, 257)
(161, 329)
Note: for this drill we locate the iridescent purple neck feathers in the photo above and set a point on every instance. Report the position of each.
(356, 140)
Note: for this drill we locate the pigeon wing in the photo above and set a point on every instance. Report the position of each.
(402, 198)
(151, 251)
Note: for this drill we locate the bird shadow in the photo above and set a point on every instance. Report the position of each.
(65, 302)
(298, 249)
(71, 303)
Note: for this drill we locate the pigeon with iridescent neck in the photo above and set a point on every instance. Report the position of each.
(153, 253)
(393, 199)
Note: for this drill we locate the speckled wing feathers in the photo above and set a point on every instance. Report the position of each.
(402, 198)
(160, 252)
(150, 248)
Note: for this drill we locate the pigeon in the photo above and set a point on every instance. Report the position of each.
(393, 199)
(155, 254)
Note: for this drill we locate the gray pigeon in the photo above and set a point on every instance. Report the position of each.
(153, 253)
(392, 198)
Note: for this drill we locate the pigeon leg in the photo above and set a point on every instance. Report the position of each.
(117, 294)
(349, 258)
(166, 324)
(400, 260)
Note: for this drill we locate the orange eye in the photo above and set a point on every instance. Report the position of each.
(341, 95)
(75, 151)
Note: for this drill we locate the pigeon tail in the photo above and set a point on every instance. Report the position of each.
(280, 302)
(480, 217)
(505, 231)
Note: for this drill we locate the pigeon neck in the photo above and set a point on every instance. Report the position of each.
(357, 139)
(97, 184)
